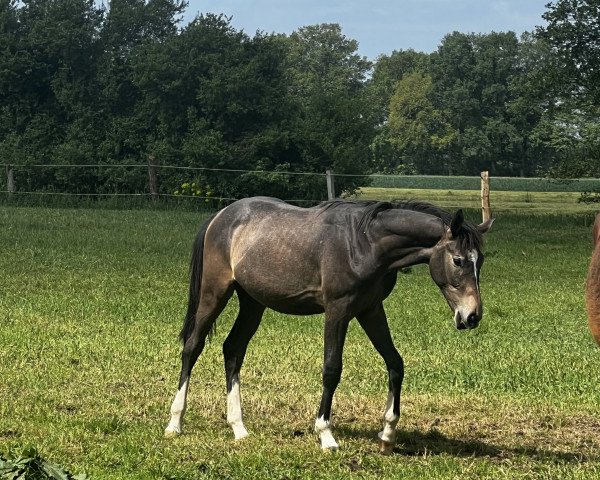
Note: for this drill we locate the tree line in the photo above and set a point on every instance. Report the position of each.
(84, 84)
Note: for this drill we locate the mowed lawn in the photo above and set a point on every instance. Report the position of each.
(91, 303)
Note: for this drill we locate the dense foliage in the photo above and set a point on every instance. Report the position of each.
(83, 84)
(573, 33)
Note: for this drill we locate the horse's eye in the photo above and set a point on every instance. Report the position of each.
(458, 261)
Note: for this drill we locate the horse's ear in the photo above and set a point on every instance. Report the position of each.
(457, 221)
(485, 226)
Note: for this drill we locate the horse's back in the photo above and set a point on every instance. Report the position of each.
(264, 222)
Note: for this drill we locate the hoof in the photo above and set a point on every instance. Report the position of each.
(330, 448)
(238, 437)
(328, 443)
(239, 431)
(172, 433)
(386, 448)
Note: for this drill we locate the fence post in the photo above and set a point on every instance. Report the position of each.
(330, 185)
(152, 179)
(10, 180)
(486, 212)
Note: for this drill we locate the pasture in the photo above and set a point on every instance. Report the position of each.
(501, 201)
(92, 301)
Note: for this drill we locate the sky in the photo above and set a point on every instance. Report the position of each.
(380, 26)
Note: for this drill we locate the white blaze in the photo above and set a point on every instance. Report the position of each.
(473, 256)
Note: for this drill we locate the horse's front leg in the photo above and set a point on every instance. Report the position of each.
(335, 334)
(374, 323)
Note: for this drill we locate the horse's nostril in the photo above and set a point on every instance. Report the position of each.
(472, 320)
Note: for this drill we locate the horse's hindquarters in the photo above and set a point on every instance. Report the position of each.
(592, 296)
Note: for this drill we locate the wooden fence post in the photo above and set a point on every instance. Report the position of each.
(152, 179)
(486, 212)
(330, 185)
(10, 180)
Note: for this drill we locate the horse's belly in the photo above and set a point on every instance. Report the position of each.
(282, 293)
(300, 307)
(294, 303)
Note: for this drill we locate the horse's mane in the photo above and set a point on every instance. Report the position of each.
(469, 236)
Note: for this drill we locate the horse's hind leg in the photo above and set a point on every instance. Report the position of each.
(336, 327)
(213, 298)
(234, 351)
(375, 325)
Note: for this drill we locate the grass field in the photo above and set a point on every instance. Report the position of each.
(509, 184)
(91, 302)
(501, 202)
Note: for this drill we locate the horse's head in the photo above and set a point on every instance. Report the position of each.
(455, 265)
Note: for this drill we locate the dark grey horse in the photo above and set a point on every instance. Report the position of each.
(339, 258)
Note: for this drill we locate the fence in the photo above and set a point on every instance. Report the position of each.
(153, 191)
(152, 186)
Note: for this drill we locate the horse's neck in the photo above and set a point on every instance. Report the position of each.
(405, 238)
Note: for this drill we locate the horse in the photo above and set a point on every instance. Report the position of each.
(339, 258)
(592, 291)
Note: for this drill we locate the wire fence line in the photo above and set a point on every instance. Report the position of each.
(139, 195)
(11, 190)
(181, 167)
(171, 167)
(153, 191)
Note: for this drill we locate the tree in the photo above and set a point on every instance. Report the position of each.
(533, 103)
(335, 125)
(389, 70)
(129, 27)
(221, 105)
(416, 128)
(573, 31)
(47, 89)
(472, 75)
(572, 129)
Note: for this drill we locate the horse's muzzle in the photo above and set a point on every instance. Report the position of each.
(472, 320)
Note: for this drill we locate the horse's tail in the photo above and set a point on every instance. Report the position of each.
(195, 281)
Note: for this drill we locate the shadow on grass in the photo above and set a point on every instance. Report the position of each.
(416, 443)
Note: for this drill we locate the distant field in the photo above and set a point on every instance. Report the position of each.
(514, 184)
(91, 302)
(500, 201)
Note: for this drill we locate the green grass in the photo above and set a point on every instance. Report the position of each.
(511, 184)
(565, 203)
(91, 302)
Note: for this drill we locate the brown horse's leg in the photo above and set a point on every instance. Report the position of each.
(336, 327)
(592, 292)
(214, 295)
(234, 351)
(376, 327)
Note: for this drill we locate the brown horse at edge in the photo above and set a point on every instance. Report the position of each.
(592, 294)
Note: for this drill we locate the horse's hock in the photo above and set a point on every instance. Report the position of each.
(592, 294)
